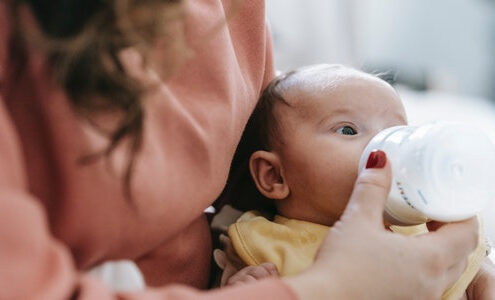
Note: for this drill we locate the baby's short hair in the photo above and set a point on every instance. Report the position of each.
(262, 128)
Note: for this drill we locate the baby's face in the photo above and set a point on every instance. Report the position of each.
(323, 133)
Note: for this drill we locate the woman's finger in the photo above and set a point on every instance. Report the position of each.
(454, 272)
(370, 191)
(458, 239)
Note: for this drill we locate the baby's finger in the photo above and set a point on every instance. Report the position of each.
(258, 272)
(241, 280)
(230, 252)
(271, 268)
(225, 240)
(252, 273)
(228, 248)
(220, 258)
(228, 273)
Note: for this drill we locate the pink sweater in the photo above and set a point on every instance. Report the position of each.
(58, 218)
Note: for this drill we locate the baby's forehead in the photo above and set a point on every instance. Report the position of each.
(304, 84)
(324, 89)
(322, 74)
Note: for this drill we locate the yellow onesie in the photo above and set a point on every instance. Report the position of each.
(292, 245)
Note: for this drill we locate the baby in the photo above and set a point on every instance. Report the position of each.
(297, 163)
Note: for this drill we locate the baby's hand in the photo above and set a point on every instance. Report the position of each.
(252, 273)
(234, 270)
(483, 285)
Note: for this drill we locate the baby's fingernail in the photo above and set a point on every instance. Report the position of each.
(376, 160)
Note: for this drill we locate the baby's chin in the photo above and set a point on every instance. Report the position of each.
(314, 218)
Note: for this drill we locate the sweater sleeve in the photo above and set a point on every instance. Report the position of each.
(35, 265)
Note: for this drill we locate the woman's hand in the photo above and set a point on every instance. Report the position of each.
(359, 259)
(483, 285)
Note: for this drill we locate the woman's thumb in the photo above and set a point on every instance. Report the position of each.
(370, 190)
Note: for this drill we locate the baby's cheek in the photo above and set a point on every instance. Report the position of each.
(344, 179)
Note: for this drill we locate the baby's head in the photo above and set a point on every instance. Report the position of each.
(306, 135)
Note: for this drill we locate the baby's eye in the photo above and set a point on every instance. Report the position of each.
(346, 130)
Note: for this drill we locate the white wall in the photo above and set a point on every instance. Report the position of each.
(308, 32)
(452, 41)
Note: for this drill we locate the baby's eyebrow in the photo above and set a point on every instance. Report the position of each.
(341, 111)
(335, 113)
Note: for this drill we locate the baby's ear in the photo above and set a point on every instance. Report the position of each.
(267, 173)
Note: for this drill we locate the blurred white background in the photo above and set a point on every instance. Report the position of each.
(440, 54)
(442, 44)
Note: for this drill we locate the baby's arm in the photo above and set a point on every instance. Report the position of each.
(234, 270)
(483, 285)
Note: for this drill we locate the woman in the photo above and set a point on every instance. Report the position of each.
(119, 120)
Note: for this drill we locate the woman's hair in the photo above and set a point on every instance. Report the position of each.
(82, 40)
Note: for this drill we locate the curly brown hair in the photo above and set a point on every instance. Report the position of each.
(82, 41)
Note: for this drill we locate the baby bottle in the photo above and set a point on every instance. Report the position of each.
(440, 171)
